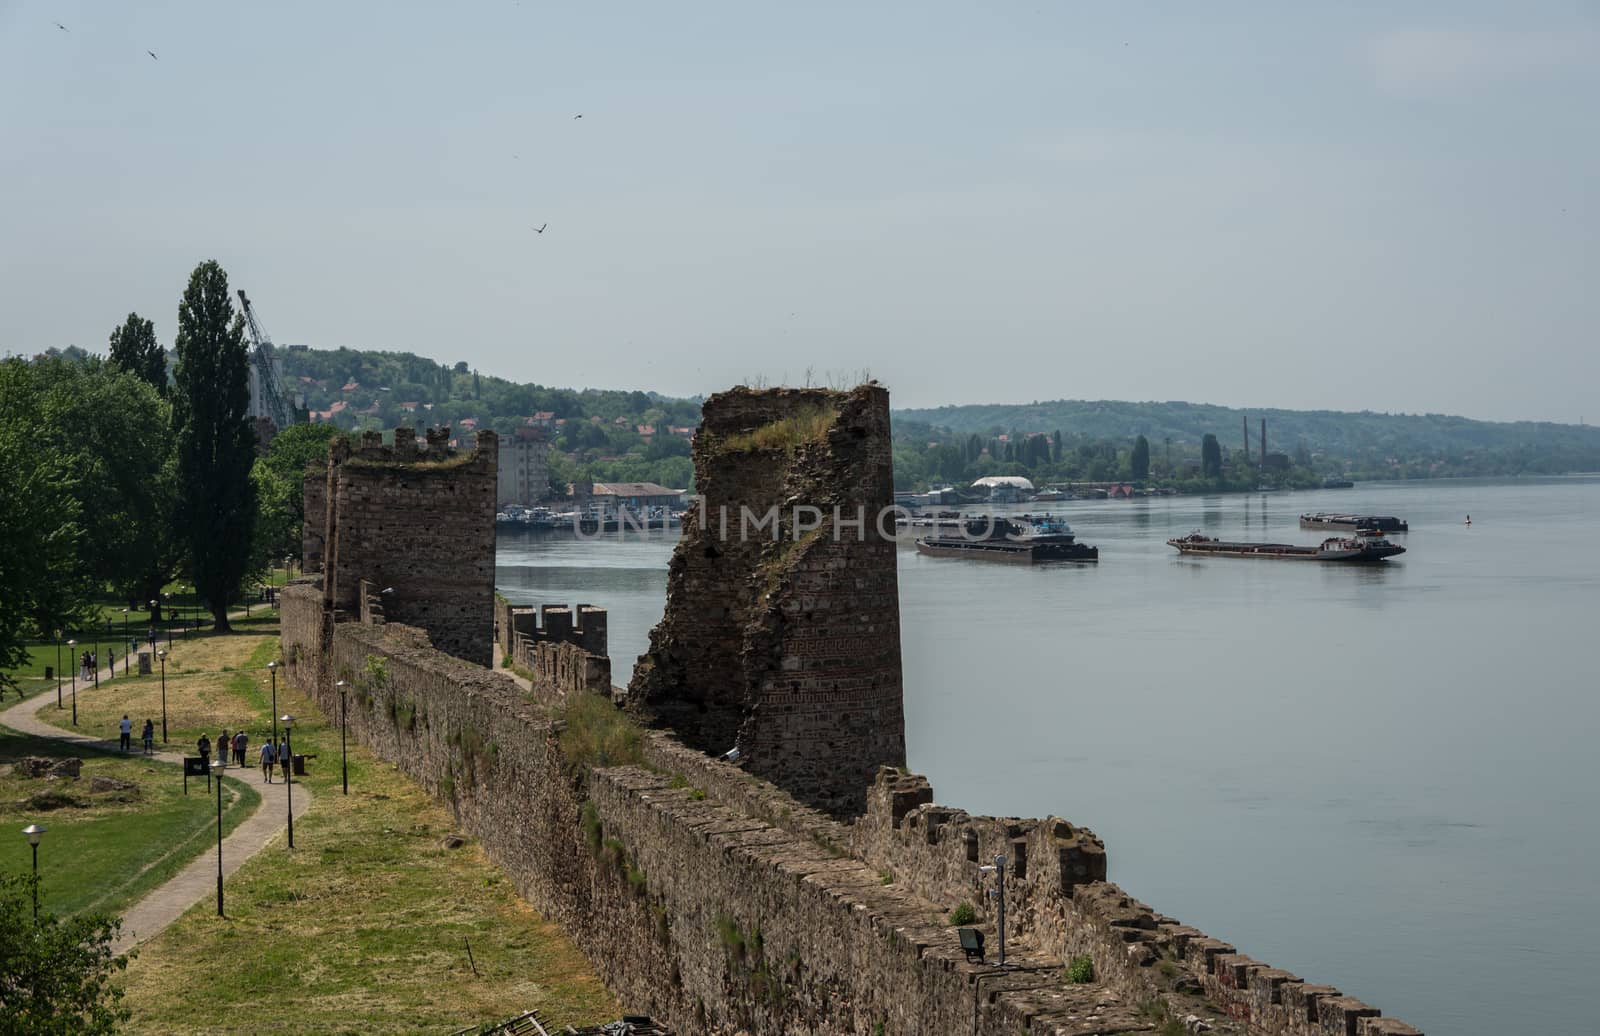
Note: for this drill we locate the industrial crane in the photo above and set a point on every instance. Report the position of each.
(267, 396)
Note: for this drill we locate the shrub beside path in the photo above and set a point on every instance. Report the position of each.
(166, 903)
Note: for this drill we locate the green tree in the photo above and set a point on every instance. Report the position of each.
(1140, 463)
(216, 439)
(1210, 457)
(134, 348)
(279, 476)
(114, 431)
(56, 974)
(43, 583)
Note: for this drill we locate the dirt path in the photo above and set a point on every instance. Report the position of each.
(166, 903)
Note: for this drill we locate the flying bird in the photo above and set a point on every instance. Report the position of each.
(540, 229)
(152, 55)
(578, 116)
(63, 28)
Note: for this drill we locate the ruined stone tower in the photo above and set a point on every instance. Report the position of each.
(782, 630)
(416, 521)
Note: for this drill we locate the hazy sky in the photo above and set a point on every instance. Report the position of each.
(1333, 205)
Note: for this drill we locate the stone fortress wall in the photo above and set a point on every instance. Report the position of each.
(781, 635)
(417, 522)
(714, 898)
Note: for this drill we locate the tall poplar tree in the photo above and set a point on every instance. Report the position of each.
(1140, 462)
(216, 439)
(134, 348)
(1210, 456)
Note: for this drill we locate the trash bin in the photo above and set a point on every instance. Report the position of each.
(49, 672)
(299, 765)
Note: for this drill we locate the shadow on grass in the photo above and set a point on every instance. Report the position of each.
(14, 745)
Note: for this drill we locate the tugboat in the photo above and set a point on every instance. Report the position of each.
(1000, 539)
(1357, 549)
(1360, 523)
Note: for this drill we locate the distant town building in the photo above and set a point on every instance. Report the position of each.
(634, 496)
(524, 477)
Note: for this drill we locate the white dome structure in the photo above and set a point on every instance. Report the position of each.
(1014, 481)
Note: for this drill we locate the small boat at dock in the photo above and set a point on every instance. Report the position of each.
(1354, 522)
(1356, 549)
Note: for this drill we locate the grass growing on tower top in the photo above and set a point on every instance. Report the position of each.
(810, 423)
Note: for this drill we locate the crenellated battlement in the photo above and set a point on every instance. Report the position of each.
(1058, 902)
(561, 649)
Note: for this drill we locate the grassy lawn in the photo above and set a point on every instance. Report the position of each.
(213, 681)
(100, 638)
(104, 850)
(363, 929)
(364, 926)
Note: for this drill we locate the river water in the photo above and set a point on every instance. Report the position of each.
(1384, 778)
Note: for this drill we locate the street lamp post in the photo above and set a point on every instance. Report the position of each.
(272, 667)
(163, 656)
(125, 651)
(288, 771)
(344, 724)
(73, 644)
(33, 831)
(219, 846)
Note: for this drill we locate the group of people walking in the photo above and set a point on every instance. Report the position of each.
(235, 746)
(228, 747)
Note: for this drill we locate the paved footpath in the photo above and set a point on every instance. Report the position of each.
(166, 903)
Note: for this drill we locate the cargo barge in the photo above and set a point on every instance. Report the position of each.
(1354, 522)
(1351, 549)
(1001, 539)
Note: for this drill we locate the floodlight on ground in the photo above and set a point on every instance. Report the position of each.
(971, 944)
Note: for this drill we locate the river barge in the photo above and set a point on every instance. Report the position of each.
(1349, 549)
(1354, 522)
(1001, 539)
